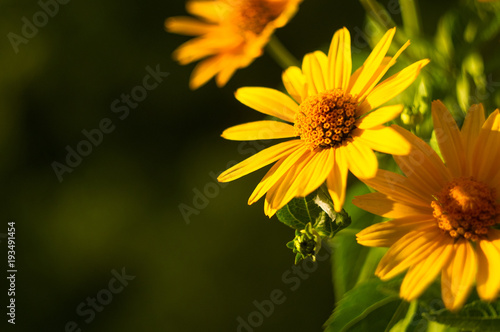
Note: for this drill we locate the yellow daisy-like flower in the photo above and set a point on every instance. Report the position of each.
(443, 212)
(330, 113)
(232, 33)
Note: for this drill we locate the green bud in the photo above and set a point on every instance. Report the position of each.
(307, 243)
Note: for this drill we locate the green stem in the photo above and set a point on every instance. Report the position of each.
(280, 54)
(378, 13)
(411, 17)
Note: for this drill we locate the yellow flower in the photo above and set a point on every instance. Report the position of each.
(231, 34)
(443, 212)
(331, 120)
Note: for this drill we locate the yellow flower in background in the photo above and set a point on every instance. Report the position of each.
(443, 214)
(331, 116)
(231, 34)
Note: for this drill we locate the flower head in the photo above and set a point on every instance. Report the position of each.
(443, 213)
(331, 122)
(307, 243)
(231, 34)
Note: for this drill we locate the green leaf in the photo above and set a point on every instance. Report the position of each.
(403, 317)
(475, 316)
(300, 211)
(314, 219)
(348, 256)
(316, 209)
(364, 308)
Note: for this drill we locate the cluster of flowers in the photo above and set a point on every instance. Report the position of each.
(443, 211)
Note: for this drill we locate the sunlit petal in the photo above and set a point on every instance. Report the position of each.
(339, 60)
(449, 139)
(458, 275)
(268, 101)
(259, 130)
(259, 160)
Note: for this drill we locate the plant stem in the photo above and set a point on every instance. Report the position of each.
(280, 54)
(411, 17)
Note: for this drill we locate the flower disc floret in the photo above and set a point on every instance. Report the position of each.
(325, 120)
(252, 15)
(466, 208)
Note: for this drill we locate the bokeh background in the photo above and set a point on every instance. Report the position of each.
(119, 208)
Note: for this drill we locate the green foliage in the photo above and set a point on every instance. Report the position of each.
(313, 219)
(301, 211)
(475, 317)
(307, 243)
(352, 263)
(367, 307)
(316, 209)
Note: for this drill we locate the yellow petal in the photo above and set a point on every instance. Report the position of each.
(302, 179)
(211, 43)
(259, 130)
(473, 122)
(385, 234)
(383, 139)
(314, 67)
(282, 191)
(295, 83)
(488, 275)
(187, 26)
(315, 172)
(187, 53)
(276, 173)
(227, 71)
(382, 205)
(422, 165)
(449, 139)
(339, 60)
(204, 71)
(361, 160)
(472, 126)
(337, 180)
(268, 101)
(267, 209)
(373, 62)
(357, 72)
(212, 11)
(391, 87)
(259, 160)
(458, 276)
(379, 117)
(411, 249)
(487, 149)
(422, 274)
(386, 64)
(398, 188)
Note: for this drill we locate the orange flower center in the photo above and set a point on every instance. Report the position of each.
(253, 15)
(466, 208)
(325, 120)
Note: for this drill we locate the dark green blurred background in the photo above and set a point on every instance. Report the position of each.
(119, 208)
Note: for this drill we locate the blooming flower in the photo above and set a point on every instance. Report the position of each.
(443, 213)
(331, 122)
(231, 34)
